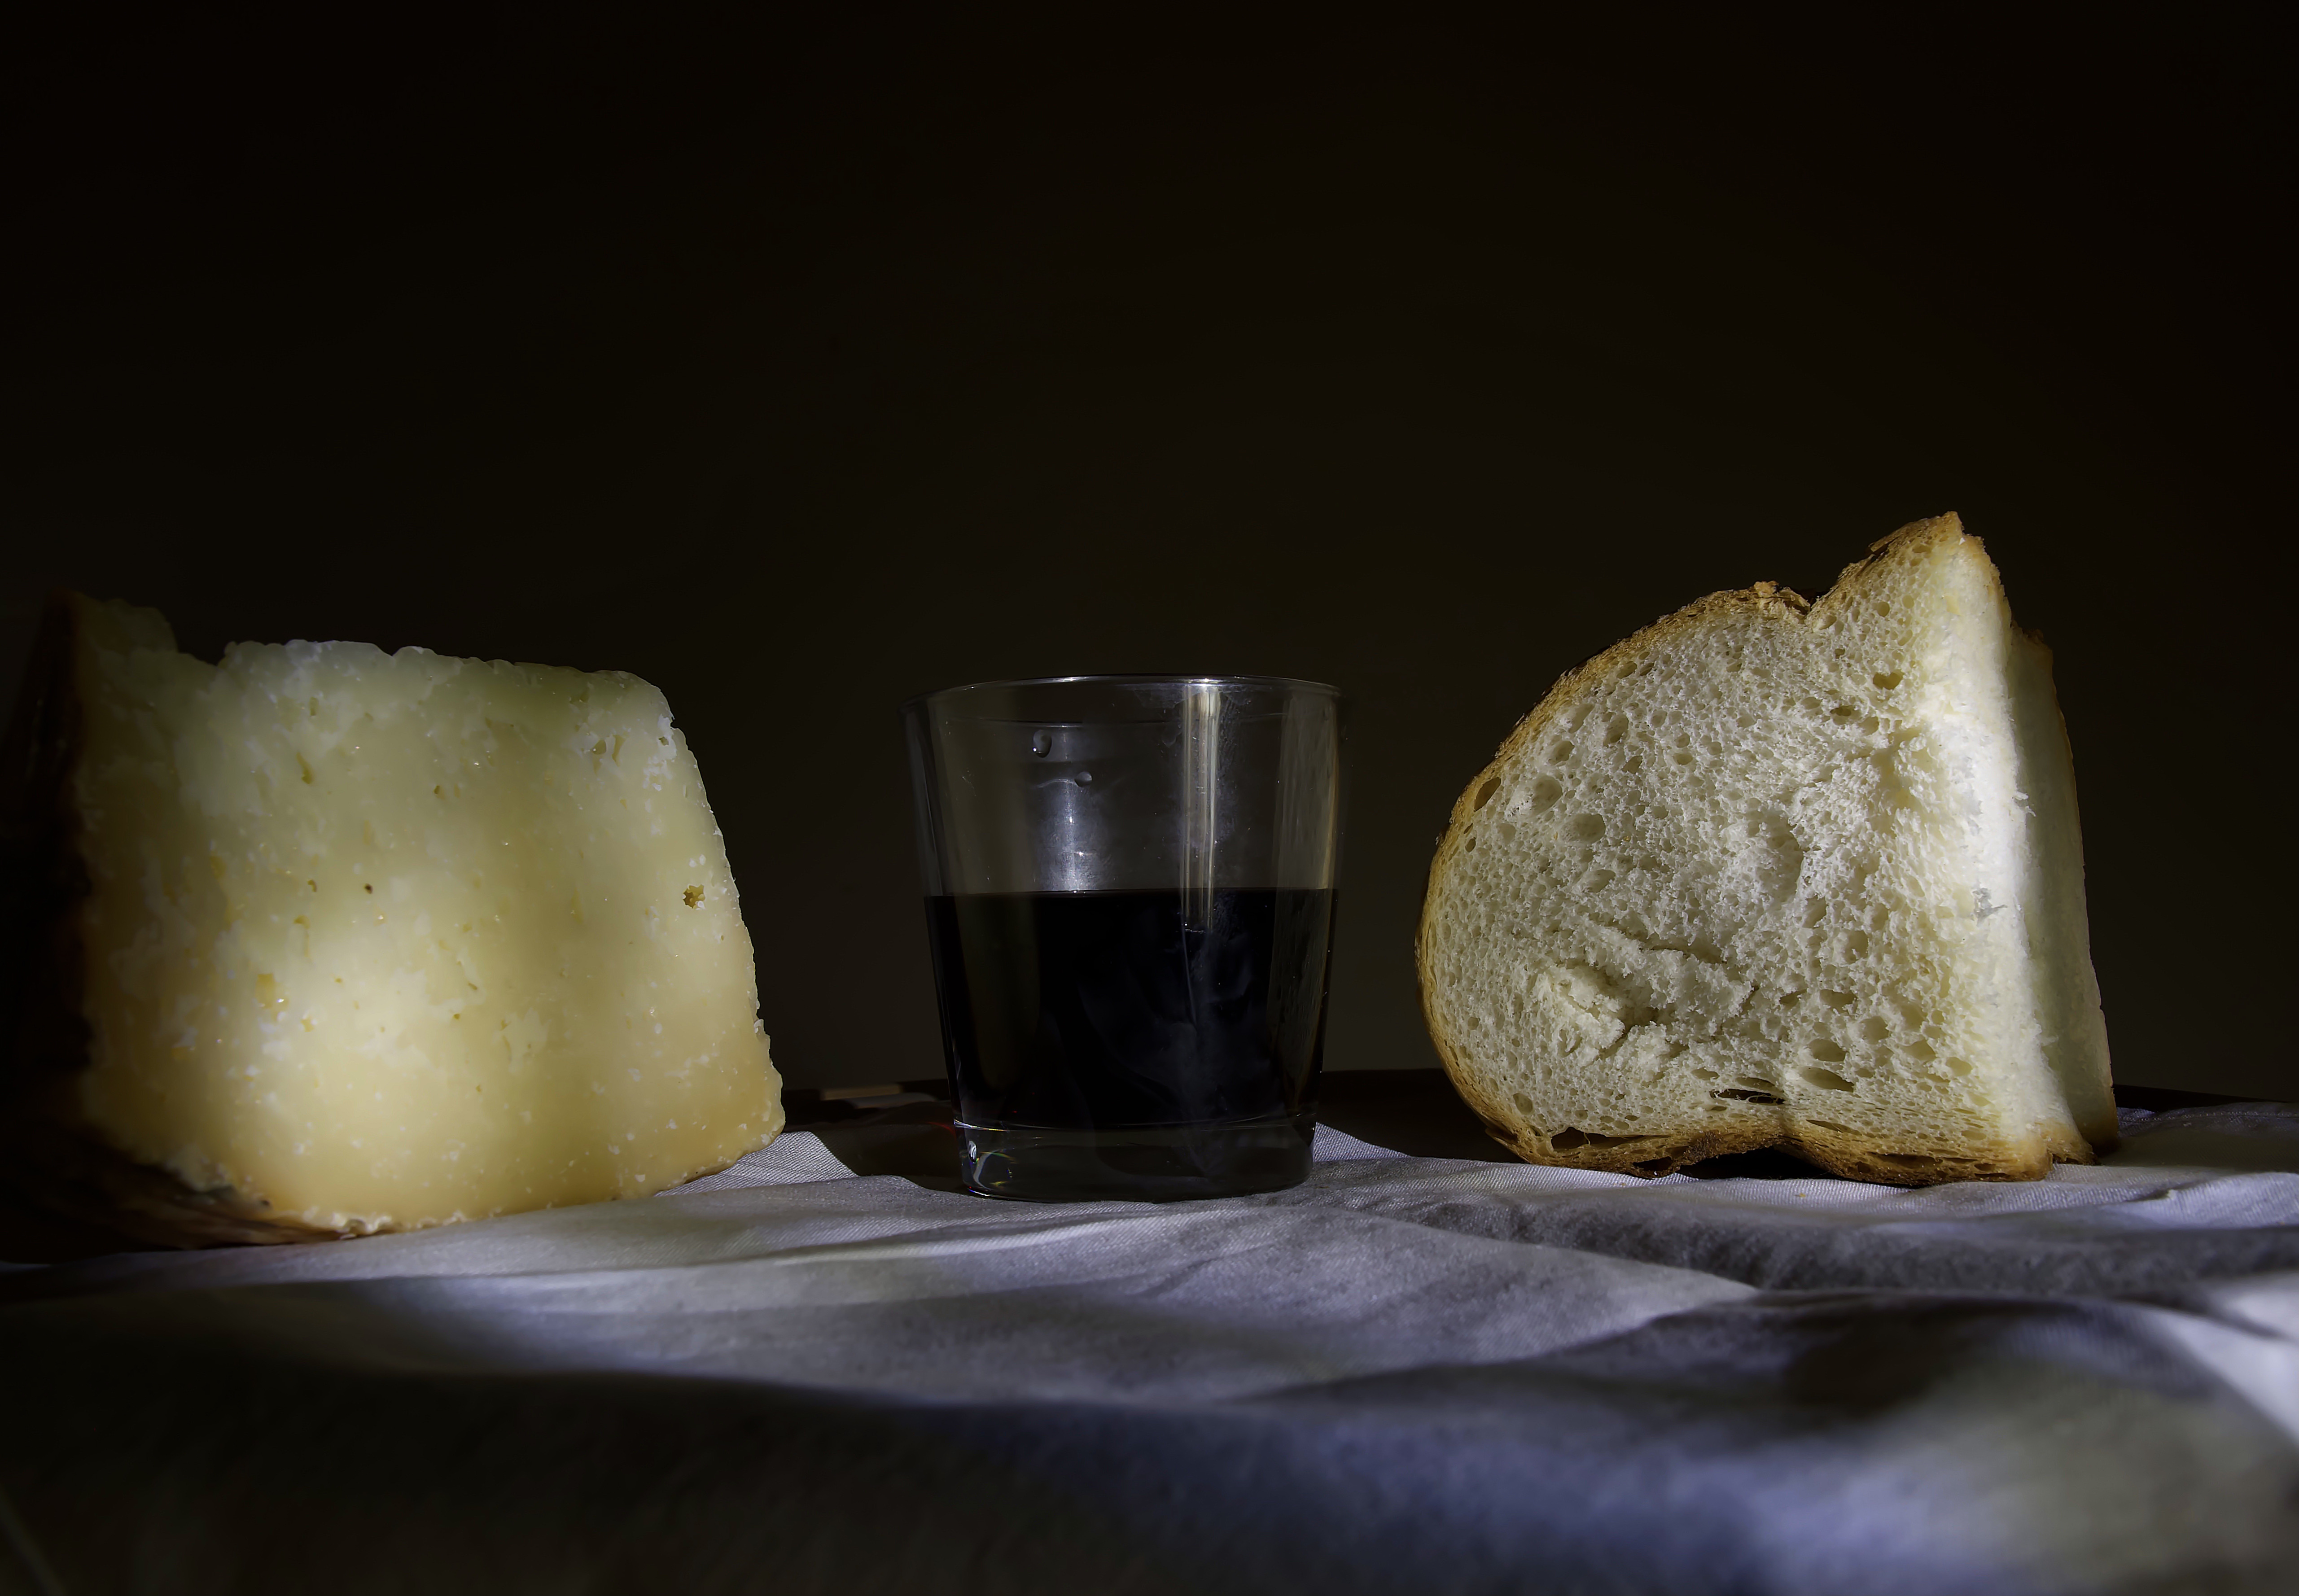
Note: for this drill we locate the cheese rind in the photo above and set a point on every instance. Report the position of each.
(383, 940)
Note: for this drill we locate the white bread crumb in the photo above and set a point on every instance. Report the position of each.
(1771, 874)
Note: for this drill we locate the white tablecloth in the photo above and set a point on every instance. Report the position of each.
(1408, 1374)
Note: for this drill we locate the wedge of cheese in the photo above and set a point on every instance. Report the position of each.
(331, 941)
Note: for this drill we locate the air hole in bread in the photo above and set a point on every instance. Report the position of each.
(1887, 680)
(1825, 1051)
(1616, 728)
(1920, 1051)
(1599, 879)
(1835, 1000)
(1956, 1066)
(1748, 1094)
(1827, 1080)
(1815, 910)
(1911, 1158)
(1873, 1028)
(1855, 944)
(1588, 828)
(1545, 791)
(1571, 1136)
(1485, 793)
(1559, 751)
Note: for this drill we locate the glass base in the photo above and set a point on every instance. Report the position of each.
(1150, 1164)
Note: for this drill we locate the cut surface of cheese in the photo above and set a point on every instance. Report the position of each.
(371, 941)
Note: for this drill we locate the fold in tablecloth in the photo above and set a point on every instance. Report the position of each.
(1408, 1374)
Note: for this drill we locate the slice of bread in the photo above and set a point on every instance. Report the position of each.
(1779, 874)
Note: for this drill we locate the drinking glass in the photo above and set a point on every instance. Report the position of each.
(1130, 897)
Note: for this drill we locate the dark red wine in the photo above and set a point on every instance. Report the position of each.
(1101, 1011)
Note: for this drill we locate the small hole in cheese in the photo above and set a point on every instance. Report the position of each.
(694, 896)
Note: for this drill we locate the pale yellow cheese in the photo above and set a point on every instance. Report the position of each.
(383, 940)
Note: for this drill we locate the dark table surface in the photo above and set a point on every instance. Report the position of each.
(1415, 1112)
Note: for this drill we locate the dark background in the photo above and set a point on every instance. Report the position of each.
(801, 365)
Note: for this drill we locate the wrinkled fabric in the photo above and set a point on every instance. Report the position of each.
(1407, 1373)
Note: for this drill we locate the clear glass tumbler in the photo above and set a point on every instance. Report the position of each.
(1130, 895)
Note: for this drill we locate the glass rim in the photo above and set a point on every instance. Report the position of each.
(1127, 679)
